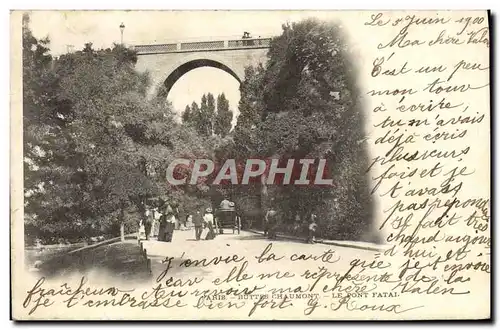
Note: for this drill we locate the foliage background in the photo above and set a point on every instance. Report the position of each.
(96, 147)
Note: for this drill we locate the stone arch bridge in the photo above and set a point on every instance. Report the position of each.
(168, 62)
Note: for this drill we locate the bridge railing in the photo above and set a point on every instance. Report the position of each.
(249, 43)
(163, 48)
(203, 45)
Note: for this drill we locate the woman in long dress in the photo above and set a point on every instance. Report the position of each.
(170, 227)
(155, 225)
(209, 221)
(162, 228)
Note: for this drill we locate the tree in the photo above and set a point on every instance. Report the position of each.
(251, 103)
(195, 117)
(202, 118)
(211, 114)
(37, 83)
(103, 96)
(251, 109)
(204, 124)
(224, 116)
(289, 109)
(96, 146)
(48, 186)
(186, 115)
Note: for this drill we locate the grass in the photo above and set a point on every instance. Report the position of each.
(121, 259)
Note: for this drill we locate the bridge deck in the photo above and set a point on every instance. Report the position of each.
(182, 47)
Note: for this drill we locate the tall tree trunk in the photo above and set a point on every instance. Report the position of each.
(122, 225)
(263, 199)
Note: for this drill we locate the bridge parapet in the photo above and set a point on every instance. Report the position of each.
(203, 46)
(249, 43)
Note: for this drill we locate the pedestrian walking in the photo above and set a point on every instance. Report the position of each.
(198, 225)
(209, 221)
(297, 225)
(142, 232)
(155, 227)
(311, 237)
(170, 225)
(167, 225)
(147, 222)
(177, 218)
(162, 227)
(271, 222)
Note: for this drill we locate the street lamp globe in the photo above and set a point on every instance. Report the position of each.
(122, 27)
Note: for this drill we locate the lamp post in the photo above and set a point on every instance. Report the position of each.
(122, 27)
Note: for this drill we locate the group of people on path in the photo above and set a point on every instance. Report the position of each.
(205, 222)
(272, 222)
(160, 223)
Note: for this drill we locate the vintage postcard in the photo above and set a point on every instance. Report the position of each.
(250, 165)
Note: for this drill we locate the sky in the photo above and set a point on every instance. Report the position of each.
(72, 29)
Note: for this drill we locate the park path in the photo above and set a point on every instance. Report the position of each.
(248, 245)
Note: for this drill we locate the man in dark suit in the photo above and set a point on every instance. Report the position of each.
(198, 225)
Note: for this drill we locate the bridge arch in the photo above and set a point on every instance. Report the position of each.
(194, 61)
